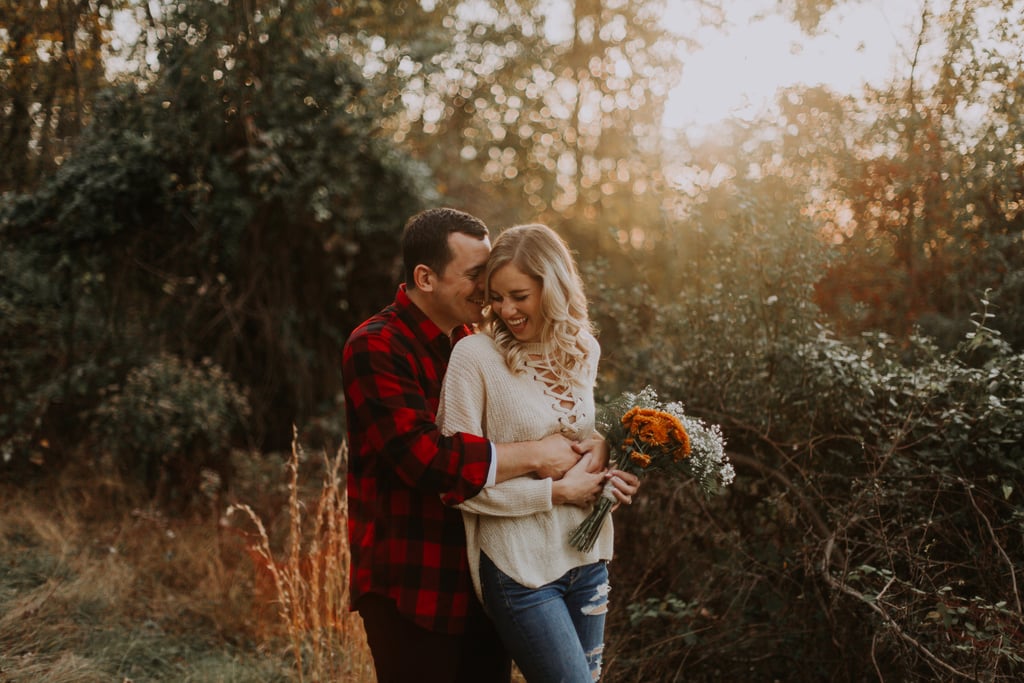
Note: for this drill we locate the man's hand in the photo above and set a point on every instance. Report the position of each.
(557, 456)
(581, 485)
(597, 445)
(552, 457)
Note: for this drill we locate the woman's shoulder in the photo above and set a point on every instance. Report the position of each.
(589, 343)
(592, 349)
(477, 345)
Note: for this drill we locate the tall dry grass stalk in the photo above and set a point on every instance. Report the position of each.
(310, 584)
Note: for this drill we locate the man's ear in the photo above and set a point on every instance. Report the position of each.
(424, 278)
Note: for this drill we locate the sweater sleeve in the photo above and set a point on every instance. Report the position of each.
(463, 408)
(463, 394)
(593, 359)
(513, 498)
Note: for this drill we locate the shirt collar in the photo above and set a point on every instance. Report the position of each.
(422, 326)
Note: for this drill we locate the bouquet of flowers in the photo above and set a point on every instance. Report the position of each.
(646, 434)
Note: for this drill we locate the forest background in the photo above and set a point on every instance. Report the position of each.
(187, 241)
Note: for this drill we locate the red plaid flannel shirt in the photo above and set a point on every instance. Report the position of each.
(405, 543)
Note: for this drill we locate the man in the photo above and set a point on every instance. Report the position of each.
(409, 576)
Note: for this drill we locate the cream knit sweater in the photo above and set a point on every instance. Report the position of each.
(514, 522)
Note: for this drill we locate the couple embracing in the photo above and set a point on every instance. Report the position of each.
(470, 412)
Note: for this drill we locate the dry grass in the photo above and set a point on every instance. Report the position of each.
(96, 588)
(38, 587)
(308, 583)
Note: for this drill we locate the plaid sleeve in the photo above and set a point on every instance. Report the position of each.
(390, 390)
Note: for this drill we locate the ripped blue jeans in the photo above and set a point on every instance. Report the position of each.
(554, 633)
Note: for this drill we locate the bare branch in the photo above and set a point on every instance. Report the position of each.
(886, 618)
(1013, 573)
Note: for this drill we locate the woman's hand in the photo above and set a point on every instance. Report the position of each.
(624, 486)
(582, 484)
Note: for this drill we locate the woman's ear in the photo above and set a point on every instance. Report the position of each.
(424, 278)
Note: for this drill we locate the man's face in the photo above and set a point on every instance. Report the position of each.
(458, 292)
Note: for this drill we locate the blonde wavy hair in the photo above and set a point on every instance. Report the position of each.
(540, 253)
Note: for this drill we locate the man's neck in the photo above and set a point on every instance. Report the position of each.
(423, 302)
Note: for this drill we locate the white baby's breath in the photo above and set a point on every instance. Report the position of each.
(706, 462)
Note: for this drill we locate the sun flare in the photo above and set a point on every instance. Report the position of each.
(738, 68)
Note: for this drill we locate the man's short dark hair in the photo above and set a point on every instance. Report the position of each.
(425, 238)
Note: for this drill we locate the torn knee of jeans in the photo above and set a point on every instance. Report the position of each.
(599, 603)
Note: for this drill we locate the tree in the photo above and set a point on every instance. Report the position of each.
(51, 64)
(932, 188)
(243, 206)
(532, 110)
(870, 524)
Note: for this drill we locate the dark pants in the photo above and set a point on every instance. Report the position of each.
(406, 653)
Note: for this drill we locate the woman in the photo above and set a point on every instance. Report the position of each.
(529, 374)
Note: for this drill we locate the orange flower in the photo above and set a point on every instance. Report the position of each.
(683, 452)
(650, 426)
(641, 459)
(680, 437)
(659, 431)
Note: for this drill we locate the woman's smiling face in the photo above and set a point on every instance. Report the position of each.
(515, 299)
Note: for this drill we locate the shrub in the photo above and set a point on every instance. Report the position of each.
(874, 526)
(171, 420)
(252, 218)
(873, 530)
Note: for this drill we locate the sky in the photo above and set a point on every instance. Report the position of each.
(738, 71)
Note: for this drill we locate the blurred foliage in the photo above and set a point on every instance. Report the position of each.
(826, 291)
(51, 66)
(533, 110)
(228, 209)
(171, 424)
(874, 528)
(837, 283)
(927, 202)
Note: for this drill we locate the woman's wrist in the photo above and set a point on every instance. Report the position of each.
(558, 496)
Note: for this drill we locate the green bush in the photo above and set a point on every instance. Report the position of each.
(875, 524)
(874, 528)
(170, 420)
(250, 217)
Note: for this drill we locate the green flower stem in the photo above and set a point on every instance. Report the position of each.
(585, 535)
